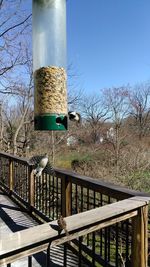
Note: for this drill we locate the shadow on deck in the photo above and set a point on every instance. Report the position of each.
(14, 219)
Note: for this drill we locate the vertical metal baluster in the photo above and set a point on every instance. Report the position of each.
(117, 245)
(81, 209)
(26, 191)
(87, 198)
(49, 195)
(34, 184)
(29, 261)
(93, 234)
(19, 179)
(38, 191)
(27, 186)
(56, 198)
(65, 255)
(35, 197)
(71, 199)
(106, 245)
(53, 186)
(60, 211)
(93, 248)
(48, 260)
(46, 195)
(80, 251)
(127, 240)
(76, 197)
(79, 198)
(16, 178)
(24, 182)
(20, 182)
(43, 192)
(54, 194)
(101, 231)
(40, 186)
(87, 209)
(108, 235)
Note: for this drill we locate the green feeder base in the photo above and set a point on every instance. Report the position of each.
(51, 122)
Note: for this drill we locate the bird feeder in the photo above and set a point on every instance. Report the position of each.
(49, 64)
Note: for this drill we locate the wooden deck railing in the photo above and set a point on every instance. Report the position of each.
(35, 239)
(67, 194)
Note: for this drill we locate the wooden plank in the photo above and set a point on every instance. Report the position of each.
(140, 238)
(38, 235)
(31, 186)
(66, 199)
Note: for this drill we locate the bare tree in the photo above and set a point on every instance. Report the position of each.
(116, 100)
(75, 93)
(19, 121)
(139, 100)
(15, 70)
(15, 26)
(95, 114)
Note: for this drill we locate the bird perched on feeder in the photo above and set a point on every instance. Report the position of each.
(74, 116)
(41, 163)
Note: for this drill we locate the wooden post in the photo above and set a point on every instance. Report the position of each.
(66, 197)
(139, 256)
(31, 186)
(11, 174)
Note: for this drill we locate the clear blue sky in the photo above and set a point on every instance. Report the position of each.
(109, 42)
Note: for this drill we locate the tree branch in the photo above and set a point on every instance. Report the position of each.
(15, 26)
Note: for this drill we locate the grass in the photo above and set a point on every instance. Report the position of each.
(65, 160)
(138, 180)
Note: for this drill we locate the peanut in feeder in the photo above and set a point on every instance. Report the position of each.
(49, 64)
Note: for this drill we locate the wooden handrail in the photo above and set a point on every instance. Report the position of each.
(36, 239)
(113, 190)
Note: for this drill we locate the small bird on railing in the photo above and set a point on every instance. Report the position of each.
(74, 116)
(41, 163)
(62, 224)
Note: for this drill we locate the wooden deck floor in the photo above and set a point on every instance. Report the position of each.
(12, 219)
